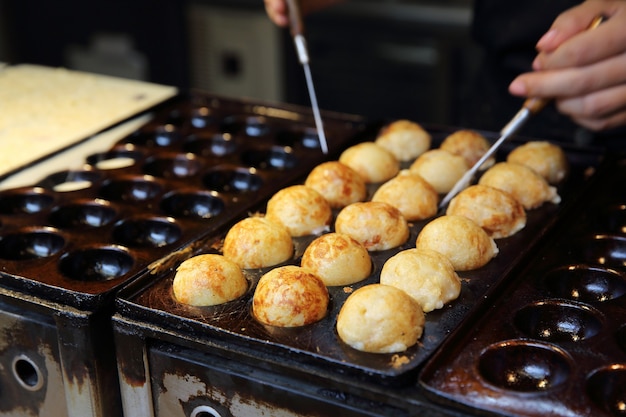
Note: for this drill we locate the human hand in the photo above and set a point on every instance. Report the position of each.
(584, 71)
(279, 14)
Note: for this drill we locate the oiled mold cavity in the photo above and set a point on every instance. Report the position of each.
(202, 117)
(228, 180)
(611, 219)
(204, 205)
(25, 201)
(585, 283)
(274, 158)
(117, 159)
(132, 189)
(173, 166)
(88, 213)
(254, 126)
(67, 181)
(558, 321)
(607, 389)
(306, 137)
(27, 373)
(160, 136)
(96, 263)
(146, 232)
(524, 366)
(607, 250)
(30, 244)
(218, 144)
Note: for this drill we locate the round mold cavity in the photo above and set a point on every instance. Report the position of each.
(133, 189)
(27, 373)
(607, 389)
(31, 244)
(524, 366)
(307, 138)
(117, 159)
(96, 263)
(146, 232)
(202, 117)
(601, 249)
(87, 213)
(585, 283)
(25, 201)
(204, 205)
(612, 219)
(276, 158)
(173, 166)
(160, 136)
(219, 144)
(68, 181)
(620, 335)
(204, 411)
(254, 126)
(556, 321)
(238, 180)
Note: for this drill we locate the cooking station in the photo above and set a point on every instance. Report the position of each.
(89, 250)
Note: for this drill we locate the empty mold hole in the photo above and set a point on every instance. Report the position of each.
(96, 264)
(233, 180)
(173, 166)
(204, 411)
(219, 144)
(558, 322)
(131, 189)
(524, 366)
(607, 388)
(307, 138)
(114, 159)
(204, 205)
(612, 219)
(87, 213)
(27, 201)
(68, 181)
(27, 373)
(251, 126)
(585, 283)
(30, 244)
(147, 232)
(275, 158)
(606, 250)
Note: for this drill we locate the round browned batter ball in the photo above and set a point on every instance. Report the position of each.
(380, 318)
(374, 163)
(524, 184)
(289, 296)
(405, 139)
(440, 168)
(301, 209)
(494, 210)
(339, 184)
(207, 280)
(411, 194)
(459, 239)
(427, 276)
(376, 225)
(545, 158)
(256, 242)
(337, 259)
(470, 145)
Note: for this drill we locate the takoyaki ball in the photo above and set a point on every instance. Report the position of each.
(208, 280)
(377, 226)
(379, 318)
(524, 184)
(256, 242)
(339, 184)
(301, 209)
(374, 163)
(470, 145)
(289, 296)
(459, 239)
(427, 276)
(496, 211)
(545, 158)
(405, 139)
(411, 194)
(440, 168)
(337, 259)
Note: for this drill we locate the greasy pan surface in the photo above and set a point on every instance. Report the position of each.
(201, 161)
(554, 343)
(150, 300)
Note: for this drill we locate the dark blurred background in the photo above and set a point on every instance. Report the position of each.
(377, 58)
